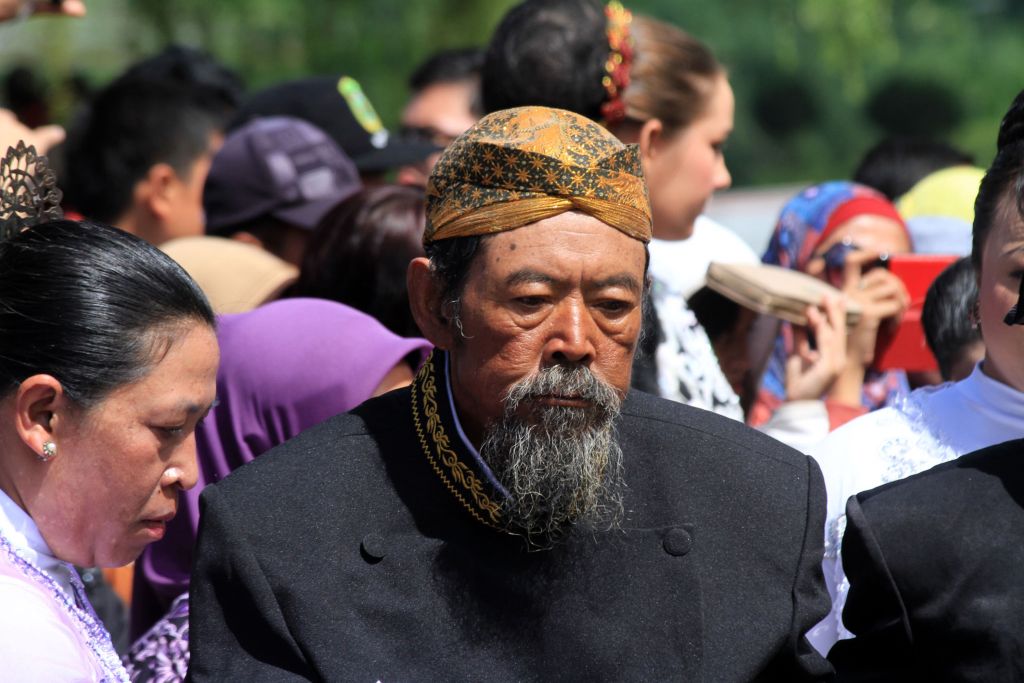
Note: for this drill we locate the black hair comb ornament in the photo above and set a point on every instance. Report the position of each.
(28, 191)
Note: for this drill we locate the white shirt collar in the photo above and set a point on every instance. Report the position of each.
(1000, 399)
(23, 534)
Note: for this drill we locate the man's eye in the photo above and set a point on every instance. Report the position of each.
(171, 431)
(529, 301)
(614, 306)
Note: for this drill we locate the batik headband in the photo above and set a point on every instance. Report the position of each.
(523, 165)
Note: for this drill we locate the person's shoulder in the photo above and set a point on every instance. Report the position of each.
(918, 524)
(690, 427)
(349, 441)
(956, 482)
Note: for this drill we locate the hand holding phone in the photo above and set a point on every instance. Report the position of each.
(882, 297)
(819, 351)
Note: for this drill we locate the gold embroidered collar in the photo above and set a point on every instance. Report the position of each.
(447, 457)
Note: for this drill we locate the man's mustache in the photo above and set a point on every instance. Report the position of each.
(565, 382)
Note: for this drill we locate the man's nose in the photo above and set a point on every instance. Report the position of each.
(572, 335)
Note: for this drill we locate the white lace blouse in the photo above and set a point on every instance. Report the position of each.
(928, 427)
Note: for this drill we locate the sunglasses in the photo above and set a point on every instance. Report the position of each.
(835, 260)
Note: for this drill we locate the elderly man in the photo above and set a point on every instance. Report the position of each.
(516, 514)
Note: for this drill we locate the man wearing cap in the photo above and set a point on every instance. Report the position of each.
(517, 513)
(272, 182)
(338, 106)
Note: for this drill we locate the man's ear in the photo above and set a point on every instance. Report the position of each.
(38, 401)
(428, 309)
(157, 191)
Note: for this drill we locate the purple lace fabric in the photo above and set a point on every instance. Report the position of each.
(81, 615)
(161, 654)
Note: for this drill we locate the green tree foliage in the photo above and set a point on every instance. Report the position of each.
(814, 79)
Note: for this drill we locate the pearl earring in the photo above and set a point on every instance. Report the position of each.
(49, 451)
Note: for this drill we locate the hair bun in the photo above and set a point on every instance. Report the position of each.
(1011, 129)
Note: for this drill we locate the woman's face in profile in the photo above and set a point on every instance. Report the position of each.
(120, 464)
(686, 167)
(1002, 265)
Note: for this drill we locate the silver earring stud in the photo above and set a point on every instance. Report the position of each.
(49, 451)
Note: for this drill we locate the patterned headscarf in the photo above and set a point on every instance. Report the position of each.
(522, 165)
(812, 216)
(807, 221)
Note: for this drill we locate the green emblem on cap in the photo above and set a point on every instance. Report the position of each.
(364, 112)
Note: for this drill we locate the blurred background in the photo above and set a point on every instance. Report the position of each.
(817, 82)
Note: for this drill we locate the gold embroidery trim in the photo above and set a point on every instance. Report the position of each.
(455, 474)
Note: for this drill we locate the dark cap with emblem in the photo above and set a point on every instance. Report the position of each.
(281, 167)
(338, 106)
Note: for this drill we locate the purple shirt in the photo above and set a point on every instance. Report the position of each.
(285, 367)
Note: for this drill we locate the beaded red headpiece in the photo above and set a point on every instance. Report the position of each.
(620, 58)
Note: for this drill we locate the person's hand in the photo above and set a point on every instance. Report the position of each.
(12, 9)
(882, 298)
(811, 372)
(12, 130)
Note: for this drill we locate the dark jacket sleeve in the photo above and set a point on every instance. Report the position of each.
(874, 612)
(237, 630)
(800, 661)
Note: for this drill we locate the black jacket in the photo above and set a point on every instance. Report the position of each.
(359, 551)
(936, 569)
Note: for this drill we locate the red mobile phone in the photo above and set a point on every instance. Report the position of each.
(906, 348)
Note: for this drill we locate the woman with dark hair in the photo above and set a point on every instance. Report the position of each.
(934, 560)
(651, 84)
(936, 424)
(359, 252)
(108, 362)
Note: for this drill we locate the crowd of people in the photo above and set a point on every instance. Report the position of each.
(459, 401)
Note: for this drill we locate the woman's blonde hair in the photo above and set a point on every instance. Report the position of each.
(672, 75)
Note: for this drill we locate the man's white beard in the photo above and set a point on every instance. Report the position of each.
(561, 465)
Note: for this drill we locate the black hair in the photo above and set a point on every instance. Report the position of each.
(1002, 188)
(25, 94)
(90, 305)
(359, 254)
(132, 125)
(548, 53)
(450, 261)
(895, 165)
(217, 88)
(717, 314)
(947, 314)
(448, 66)
(452, 66)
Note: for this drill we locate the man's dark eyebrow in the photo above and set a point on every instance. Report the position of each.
(527, 276)
(626, 281)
